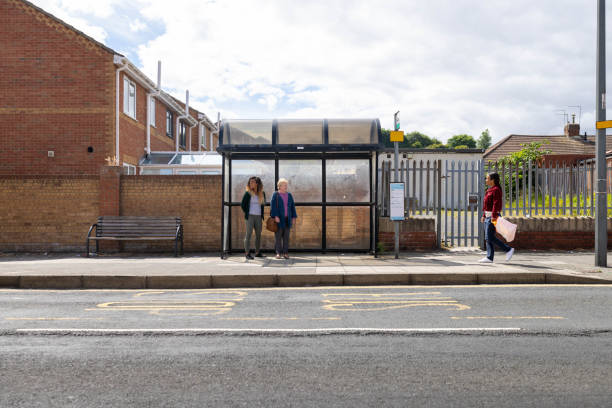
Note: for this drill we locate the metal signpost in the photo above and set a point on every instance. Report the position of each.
(601, 208)
(396, 137)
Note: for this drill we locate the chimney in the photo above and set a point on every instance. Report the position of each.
(572, 129)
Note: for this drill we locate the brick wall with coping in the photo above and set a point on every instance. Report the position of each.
(197, 199)
(565, 233)
(415, 234)
(47, 213)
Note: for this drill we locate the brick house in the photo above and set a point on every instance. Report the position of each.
(568, 148)
(69, 104)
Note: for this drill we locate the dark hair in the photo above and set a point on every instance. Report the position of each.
(495, 178)
(259, 188)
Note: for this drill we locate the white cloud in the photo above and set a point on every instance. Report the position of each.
(137, 25)
(450, 67)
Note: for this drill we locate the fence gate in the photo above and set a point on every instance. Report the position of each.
(449, 191)
(462, 192)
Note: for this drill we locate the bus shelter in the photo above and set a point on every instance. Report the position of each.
(331, 166)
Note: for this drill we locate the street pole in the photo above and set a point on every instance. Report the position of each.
(601, 205)
(396, 179)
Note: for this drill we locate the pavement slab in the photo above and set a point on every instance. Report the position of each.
(448, 267)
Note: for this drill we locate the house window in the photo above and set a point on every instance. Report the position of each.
(169, 124)
(152, 114)
(182, 134)
(129, 170)
(129, 98)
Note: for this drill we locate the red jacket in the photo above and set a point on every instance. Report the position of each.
(493, 201)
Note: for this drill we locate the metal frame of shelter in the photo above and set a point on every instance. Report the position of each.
(245, 147)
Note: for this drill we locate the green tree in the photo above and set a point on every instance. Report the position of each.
(418, 140)
(412, 140)
(437, 145)
(530, 151)
(461, 140)
(484, 141)
(462, 147)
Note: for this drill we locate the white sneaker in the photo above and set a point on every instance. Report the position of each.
(509, 254)
(485, 260)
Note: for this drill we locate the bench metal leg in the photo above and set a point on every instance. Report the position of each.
(87, 246)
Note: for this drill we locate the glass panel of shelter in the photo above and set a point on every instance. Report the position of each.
(298, 131)
(305, 179)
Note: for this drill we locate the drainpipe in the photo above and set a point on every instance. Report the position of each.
(178, 120)
(117, 100)
(150, 95)
(215, 132)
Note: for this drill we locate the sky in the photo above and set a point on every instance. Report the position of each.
(450, 67)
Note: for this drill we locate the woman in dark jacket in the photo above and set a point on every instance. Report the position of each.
(252, 204)
(491, 206)
(282, 208)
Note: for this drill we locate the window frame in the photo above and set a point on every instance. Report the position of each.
(129, 169)
(127, 103)
(170, 124)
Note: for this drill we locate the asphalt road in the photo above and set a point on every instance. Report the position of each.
(504, 346)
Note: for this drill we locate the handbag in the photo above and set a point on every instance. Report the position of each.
(506, 229)
(271, 224)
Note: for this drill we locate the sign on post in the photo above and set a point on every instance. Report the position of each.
(397, 201)
(603, 124)
(396, 120)
(396, 136)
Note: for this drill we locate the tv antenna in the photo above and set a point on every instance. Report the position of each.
(563, 112)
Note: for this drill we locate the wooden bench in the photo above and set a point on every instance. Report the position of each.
(127, 228)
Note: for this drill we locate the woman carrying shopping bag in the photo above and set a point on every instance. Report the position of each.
(252, 205)
(491, 206)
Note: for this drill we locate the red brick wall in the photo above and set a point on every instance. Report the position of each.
(159, 141)
(57, 94)
(197, 199)
(47, 213)
(556, 240)
(564, 233)
(415, 234)
(35, 216)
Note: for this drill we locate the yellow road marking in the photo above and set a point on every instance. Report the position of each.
(382, 294)
(506, 317)
(54, 318)
(169, 302)
(279, 318)
(388, 301)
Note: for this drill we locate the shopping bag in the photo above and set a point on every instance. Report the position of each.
(506, 229)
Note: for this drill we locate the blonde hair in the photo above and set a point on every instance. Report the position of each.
(258, 190)
(281, 181)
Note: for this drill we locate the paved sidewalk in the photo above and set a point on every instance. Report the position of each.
(450, 267)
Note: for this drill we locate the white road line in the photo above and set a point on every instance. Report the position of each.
(204, 331)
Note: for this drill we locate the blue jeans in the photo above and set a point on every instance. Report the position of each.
(492, 239)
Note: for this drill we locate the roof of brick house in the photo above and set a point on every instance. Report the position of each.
(570, 143)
